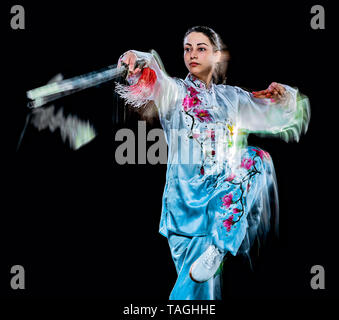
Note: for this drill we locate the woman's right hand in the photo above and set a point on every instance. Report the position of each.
(130, 59)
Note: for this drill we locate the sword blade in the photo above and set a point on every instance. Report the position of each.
(56, 90)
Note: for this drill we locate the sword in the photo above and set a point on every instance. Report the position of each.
(77, 131)
(52, 91)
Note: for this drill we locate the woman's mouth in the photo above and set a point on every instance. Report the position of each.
(194, 64)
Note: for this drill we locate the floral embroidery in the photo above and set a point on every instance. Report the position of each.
(228, 223)
(230, 178)
(247, 163)
(228, 200)
(196, 135)
(193, 108)
(236, 210)
(192, 91)
(202, 115)
(231, 129)
(211, 134)
(190, 102)
(187, 103)
(261, 153)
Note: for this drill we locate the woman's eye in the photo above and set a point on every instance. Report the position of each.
(199, 49)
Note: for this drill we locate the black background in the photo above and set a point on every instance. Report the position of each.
(84, 226)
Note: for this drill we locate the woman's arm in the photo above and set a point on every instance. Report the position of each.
(279, 111)
(148, 81)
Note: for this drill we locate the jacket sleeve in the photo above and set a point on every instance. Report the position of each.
(286, 119)
(152, 84)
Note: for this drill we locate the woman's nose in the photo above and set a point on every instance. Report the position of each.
(193, 55)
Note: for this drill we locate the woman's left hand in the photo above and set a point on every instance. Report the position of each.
(275, 91)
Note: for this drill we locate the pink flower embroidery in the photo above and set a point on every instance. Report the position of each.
(202, 115)
(202, 171)
(196, 135)
(195, 101)
(231, 177)
(192, 91)
(261, 153)
(247, 163)
(189, 103)
(186, 103)
(211, 134)
(236, 210)
(228, 223)
(227, 200)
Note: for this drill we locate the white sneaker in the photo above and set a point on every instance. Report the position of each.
(206, 265)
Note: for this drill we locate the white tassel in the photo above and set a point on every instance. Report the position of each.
(136, 97)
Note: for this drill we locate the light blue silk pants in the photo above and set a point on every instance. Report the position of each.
(185, 250)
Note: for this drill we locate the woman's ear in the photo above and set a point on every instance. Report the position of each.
(217, 55)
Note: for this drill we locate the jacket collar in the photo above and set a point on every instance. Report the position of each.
(198, 83)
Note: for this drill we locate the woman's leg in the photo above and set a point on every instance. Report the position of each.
(248, 212)
(185, 250)
(247, 204)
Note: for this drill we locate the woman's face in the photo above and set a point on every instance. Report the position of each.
(199, 55)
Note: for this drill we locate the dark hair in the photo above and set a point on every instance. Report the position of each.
(219, 74)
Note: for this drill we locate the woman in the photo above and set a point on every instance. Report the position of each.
(218, 190)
